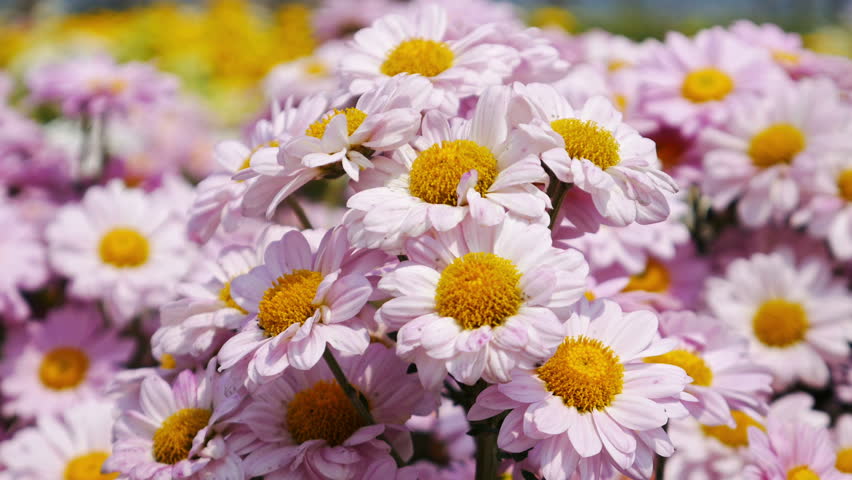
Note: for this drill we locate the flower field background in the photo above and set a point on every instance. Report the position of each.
(425, 239)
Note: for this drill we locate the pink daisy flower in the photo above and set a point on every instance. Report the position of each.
(312, 75)
(796, 315)
(298, 302)
(72, 445)
(843, 443)
(827, 210)
(595, 403)
(23, 261)
(479, 301)
(335, 19)
(120, 245)
(754, 158)
(689, 83)
(478, 166)
(790, 451)
(302, 425)
(180, 430)
(66, 360)
(418, 44)
(441, 438)
(595, 151)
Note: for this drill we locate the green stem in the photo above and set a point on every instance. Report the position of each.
(356, 400)
(300, 212)
(486, 454)
(558, 197)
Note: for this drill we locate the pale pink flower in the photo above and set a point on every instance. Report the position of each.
(23, 261)
(843, 443)
(337, 19)
(790, 450)
(311, 75)
(826, 211)
(444, 433)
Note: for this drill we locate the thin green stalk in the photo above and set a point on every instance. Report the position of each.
(300, 212)
(558, 197)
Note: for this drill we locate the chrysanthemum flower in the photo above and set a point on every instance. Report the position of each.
(595, 151)
(595, 402)
(755, 156)
(479, 167)
(827, 209)
(299, 301)
(312, 75)
(23, 261)
(179, 430)
(120, 245)
(671, 284)
(843, 443)
(790, 451)
(479, 301)
(72, 446)
(785, 48)
(795, 315)
(417, 44)
(302, 424)
(441, 438)
(64, 361)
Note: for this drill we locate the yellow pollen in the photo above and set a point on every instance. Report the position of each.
(124, 248)
(173, 440)
(785, 58)
(354, 119)
(733, 437)
(802, 472)
(225, 297)
(586, 373)
(418, 56)
(288, 301)
(655, 279)
(167, 361)
(780, 324)
(553, 17)
(844, 460)
(706, 84)
(316, 69)
(590, 295)
(479, 289)
(694, 365)
(587, 139)
(616, 65)
(247, 162)
(844, 184)
(63, 368)
(88, 467)
(322, 412)
(620, 102)
(776, 144)
(436, 172)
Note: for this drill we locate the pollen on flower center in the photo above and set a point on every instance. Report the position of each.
(733, 437)
(354, 119)
(322, 412)
(124, 248)
(418, 56)
(225, 297)
(586, 373)
(844, 184)
(63, 368)
(436, 172)
(587, 139)
(88, 467)
(288, 301)
(779, 323)
(693, 364)
(655, 279)
(706, 84)
(775, 145)
(844, 460)
(479, 289)
(802, 472)
(173, 440)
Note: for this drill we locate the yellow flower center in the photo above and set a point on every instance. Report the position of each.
(63, 368)
(655, 278)
(435, 173)
(354, 119)
(616, 65)
(479, 289)
(776, 144)
(586, 373)
(225, 297)
(780, 324)
(690, 362)
(553, 17)
(167, 361)
(587, 139)
(733, 437)
(88, 467)
(590, 295)
(802, 472)
(247, 162)
(418, 56)
(124, 248)
(844, 460)
(290, 300)
(316, 69)
(322, 412)
(173, 440)
(844, 184)
(706, 84)
(785, 58)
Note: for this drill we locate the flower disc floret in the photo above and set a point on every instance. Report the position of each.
(733, 437)
(322, 412)
(706, 84)
(288, 301)
(844, 460)
(124, 248)
(775, 145)
(844, 184)
(479, 289)
(419, 56)
(692, 364)
(225, 297)
(63, 368)
(88, 467)
(354, 119)
(780, 323)
(655, 278)
(587, 139)
(173, 440)
(436, 172)
(802, 472)
(585, 373)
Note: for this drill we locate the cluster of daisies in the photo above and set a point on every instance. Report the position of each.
(452, 247)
